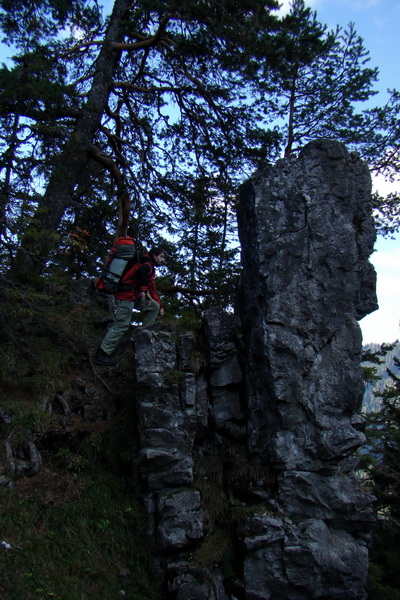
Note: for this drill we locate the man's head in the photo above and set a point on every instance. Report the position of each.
(158, 256)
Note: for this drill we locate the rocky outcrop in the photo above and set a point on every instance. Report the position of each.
(247, 432)
(307, 232)
(186, 419)
(248, 463)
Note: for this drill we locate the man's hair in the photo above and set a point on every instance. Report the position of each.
(156, 251)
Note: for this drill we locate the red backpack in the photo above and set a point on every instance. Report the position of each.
(122, 255)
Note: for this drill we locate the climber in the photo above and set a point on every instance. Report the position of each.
(137, 289)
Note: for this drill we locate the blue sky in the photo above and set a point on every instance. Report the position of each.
(377, 22)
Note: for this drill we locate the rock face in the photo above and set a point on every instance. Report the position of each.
(247, 461)
(307, 232)
(186, 420)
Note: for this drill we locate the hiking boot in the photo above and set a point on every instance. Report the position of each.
(101, 358)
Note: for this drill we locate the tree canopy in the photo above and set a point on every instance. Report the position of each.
(150, 117)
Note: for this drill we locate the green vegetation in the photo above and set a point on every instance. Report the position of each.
(73, 540)
(216, 549)
(75, 529)
(377, 359)
(225, 476)
(172, 378)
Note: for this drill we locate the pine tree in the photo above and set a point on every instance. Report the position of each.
(324, 75)
(38, 105)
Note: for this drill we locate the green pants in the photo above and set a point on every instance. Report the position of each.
(123, 317)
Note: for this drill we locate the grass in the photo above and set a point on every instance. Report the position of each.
(216, 549)
(74, 531)
(87, 543)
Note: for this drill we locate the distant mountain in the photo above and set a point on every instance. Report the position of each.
(371, 400)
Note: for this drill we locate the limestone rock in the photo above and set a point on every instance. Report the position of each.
(165, 411)
(301, 563)
(155, 357)
(180, 519)
(307, 232)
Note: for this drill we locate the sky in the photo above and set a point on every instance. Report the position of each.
(377, 22)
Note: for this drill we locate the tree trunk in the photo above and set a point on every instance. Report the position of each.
(288, 149)
(40, 238)
(9, 157)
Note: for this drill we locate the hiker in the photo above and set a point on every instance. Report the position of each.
(137, 289)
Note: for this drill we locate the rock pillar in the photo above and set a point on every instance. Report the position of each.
(306, 232)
